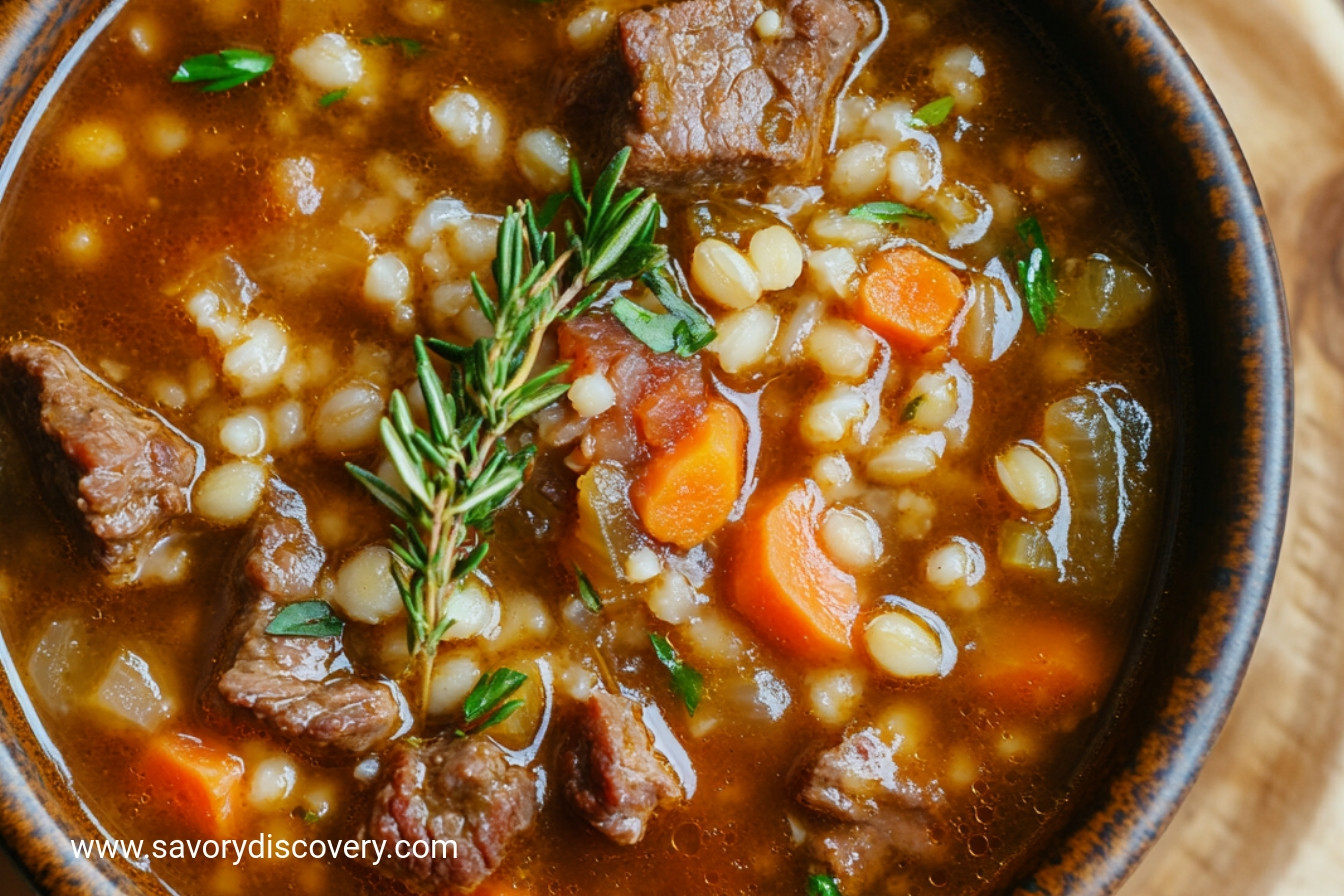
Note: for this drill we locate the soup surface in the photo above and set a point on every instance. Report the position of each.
(815, 578)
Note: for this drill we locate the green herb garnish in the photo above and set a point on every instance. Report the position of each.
(587, 593)
(683, 329)
(687, 683)
(223, 70)
(488, 702)
(1036, 274)
(409, 48)
(888, 212)
(912, 408)
(334, 97)
(307, 816)
(822, 885)
(935, 113)
(306, 619)
(460, 471)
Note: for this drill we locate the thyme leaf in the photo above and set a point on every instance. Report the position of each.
(687, 683)
(683, 329)
(1036, 274)
(334, 97)
(488, 702)
(888, 212)
(306, 619)
(411, 49)
(935, 113)
(588, 595)
(822, 885)
(223, 70)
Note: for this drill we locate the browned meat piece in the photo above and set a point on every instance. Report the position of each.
(304, 687)
(714, 99)
(459, 789)
(884, 815)
(658, 397)
(281, 555)
(611, 773)
(115, 470)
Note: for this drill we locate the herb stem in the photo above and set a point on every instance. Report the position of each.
(461, 471)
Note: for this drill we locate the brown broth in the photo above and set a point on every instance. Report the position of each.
(160, 221)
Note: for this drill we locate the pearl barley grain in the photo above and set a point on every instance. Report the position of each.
(903, 646)
(329, 62)
(777, 256)
(591, 394)
(1027, 477)
(724, 274)
(229, 493)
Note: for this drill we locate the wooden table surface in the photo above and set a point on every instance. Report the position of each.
(1267, 815)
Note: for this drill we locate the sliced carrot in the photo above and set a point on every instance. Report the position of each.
(200, 782)
(910, 297)
(1041, 666)
(687, 491)
(784, 584)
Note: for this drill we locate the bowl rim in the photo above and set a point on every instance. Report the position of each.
(1099, 849)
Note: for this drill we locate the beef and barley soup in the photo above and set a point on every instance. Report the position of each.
(576, 447)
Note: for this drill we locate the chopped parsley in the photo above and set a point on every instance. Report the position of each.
(223, 70)
(935, 113)
(334, 97)
(888, 212)
(587, 593)
(409, 48)
(687, 683)
(306, 619)
(488, 702)
(1036, 274)
(912, 408)
(822, 885)
(683, 329)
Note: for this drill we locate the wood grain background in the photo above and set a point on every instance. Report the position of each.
(1267, 816)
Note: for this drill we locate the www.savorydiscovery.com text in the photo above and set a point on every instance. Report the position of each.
(265, 846)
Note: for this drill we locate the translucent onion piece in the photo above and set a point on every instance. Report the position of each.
(991, 317)
(131, 694)
(608, 531)
(1025, 547)
(1100, 438)
(55, 667)
(1099, 293)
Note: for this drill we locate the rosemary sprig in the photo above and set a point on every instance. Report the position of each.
(460, 471)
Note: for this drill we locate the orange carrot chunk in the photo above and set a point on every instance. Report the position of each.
(687, 491)
(785, 585)
(200, 782)
(910, 298)
(1041, 666)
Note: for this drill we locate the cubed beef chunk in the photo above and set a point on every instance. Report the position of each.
(612, 775)
(459, 789)
(116, 471)
(281, 555)
(305, 688)
(883, 814)
(658, 397)
(715, 99)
